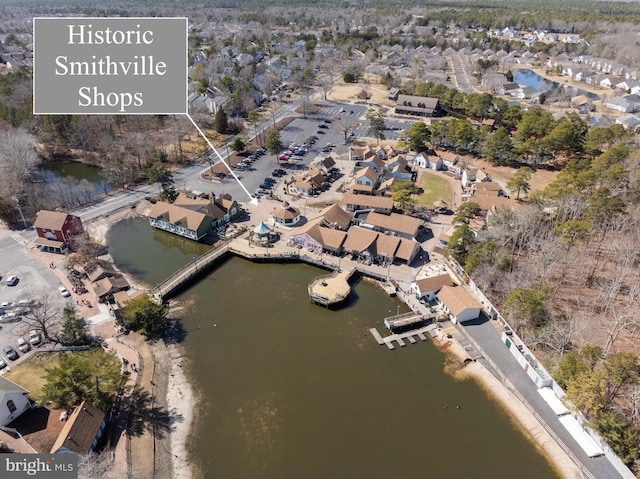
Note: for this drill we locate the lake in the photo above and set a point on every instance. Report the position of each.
(526, 77)
(293, 390)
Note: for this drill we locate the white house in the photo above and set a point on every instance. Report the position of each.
(14, 401)
(428, 287)
(432, 162)
(459, 303)
(620, 104)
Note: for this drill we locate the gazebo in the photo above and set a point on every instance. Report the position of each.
(263, 234)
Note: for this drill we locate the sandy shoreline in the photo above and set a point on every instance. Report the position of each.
(521, 417)
(181, 402)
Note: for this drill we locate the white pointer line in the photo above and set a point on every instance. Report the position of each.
(253, 200)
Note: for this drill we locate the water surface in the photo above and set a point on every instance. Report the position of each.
(291, 390)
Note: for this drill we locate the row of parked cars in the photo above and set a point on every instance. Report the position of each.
(248, 161)
(23, 346)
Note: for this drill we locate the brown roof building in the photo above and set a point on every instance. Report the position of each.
(402, 225)
(380, 204)
(83, 430)
(56, 230)
(459, 303)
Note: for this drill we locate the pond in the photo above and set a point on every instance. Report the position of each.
(523, 76)
(292, 390)
(72, 183)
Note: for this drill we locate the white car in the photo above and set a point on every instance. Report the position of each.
(64, 292)
(23, 346)
(34, 337)
(2, 364)
(12, 280)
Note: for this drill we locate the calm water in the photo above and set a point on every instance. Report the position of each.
(293, 391)
(73, 182)
(529, 78)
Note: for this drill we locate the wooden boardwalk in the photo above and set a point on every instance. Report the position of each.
(331, 289)
(188, 272)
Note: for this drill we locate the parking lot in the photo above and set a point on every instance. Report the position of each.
(36, 282)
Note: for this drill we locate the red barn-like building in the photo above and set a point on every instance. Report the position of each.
(55, 230)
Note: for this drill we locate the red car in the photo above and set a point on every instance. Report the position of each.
(320, 132)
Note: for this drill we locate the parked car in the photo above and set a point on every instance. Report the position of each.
(23, 346)
(278, 172)
(327, 121)
(265, 186)
(7, 305)
(2, 364)
(34, 337)
(323, 126)
(64, 292)
(269, 181)
(10, 353)
(342, 110)
(320, 132)
(12, 280)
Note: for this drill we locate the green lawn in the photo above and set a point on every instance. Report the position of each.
(435, 188)
(30, 374)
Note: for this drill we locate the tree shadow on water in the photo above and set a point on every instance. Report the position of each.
(145, 417)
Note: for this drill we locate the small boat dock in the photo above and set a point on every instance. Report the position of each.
(400, 338)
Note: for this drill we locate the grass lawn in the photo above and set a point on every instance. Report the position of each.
(435, 188)
(30, 374)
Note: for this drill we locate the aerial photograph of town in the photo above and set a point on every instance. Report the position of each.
(320, 239)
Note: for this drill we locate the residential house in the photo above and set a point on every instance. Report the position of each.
(82, 431)
(56, 230)
(628, 121)
(627, 85)
(451, 161)
(365, 181)
(394, 223)
(526, 93)
(620, 104)
(634, 100)
(468, 176)
(610, 81)
(326, 165)
(286, 215)
(303, 186)
(361, 153)
(428, 287)
(385, 188)
(416, 105)
(458, 303)
(14, 400)
(380, 204)
(374, 162)
(582, 103)
(429, 160)
(490, 197)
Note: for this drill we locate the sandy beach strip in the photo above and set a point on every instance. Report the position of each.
(515, 410)
(181, 403)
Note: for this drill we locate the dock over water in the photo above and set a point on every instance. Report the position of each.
(400, 337)
(331, 289)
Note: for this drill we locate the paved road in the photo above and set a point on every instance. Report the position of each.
(486, 335)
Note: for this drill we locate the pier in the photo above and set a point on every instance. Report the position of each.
(400, 337)
(332, 289)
